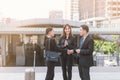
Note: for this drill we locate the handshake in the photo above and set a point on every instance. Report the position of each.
(72, 51)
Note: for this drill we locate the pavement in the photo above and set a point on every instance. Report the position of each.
(97, 73)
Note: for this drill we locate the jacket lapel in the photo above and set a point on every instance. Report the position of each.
(85, 41)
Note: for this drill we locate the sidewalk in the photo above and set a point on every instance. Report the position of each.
(97, 73)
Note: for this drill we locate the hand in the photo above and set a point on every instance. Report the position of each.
(78, 51)
(69, 51)
(65, 43)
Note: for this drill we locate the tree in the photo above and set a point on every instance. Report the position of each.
(105, 47)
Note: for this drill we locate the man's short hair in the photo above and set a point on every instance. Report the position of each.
(85, 27)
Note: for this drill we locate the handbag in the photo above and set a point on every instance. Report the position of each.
(52, 55)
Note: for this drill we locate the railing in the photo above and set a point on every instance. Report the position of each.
(117, 25)
(105, 60)
(109, 29)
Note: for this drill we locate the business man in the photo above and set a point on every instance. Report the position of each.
(84, 52)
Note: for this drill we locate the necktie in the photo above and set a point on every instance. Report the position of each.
(81, 42)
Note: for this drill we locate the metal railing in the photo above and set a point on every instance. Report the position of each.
(105, 60)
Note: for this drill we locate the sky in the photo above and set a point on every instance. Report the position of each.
(26, 9)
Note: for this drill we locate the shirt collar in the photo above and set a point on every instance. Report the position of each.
(85, 36)
(49, 36)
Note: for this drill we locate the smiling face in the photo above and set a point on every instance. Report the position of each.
(67, 30)
(51, 33)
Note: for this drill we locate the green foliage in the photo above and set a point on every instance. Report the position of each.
(106, 47)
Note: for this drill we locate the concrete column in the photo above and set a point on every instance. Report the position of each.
(30, 74)
(3, 49)
(117, 50)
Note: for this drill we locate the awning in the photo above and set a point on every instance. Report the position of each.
(104, 37)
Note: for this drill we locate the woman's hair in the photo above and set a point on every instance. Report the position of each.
(64, 34)
(48, 30)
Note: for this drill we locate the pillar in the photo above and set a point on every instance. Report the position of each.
(3, 49)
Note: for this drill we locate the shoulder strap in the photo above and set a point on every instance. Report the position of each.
(49, 44)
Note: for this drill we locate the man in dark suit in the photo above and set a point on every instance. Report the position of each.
(84, 52)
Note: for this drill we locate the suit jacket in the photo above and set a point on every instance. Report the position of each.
(71, 44)
(86, 52)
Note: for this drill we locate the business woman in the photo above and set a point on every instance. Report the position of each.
(50, 44)
(67, 42)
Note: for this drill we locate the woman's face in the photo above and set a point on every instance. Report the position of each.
(52, 33)
(67, 30)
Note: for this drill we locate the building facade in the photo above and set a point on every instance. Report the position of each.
(99, 8)
(94, 12)
(71, 11)
(56, 15)
(113, 8)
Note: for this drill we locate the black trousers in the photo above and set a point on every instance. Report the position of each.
(50, 70)
(84, 72)
(67, 62)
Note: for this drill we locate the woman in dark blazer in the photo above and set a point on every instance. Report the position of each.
(67, 42)
(50, 44)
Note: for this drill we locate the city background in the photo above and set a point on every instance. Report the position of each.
(23, 24)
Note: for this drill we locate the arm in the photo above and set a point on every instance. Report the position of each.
(54, 46)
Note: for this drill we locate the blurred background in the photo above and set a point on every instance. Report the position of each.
(23, 24)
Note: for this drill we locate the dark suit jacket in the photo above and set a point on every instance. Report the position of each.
(86, 52)
(71, 44)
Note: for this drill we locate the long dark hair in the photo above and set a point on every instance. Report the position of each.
(64, 34)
